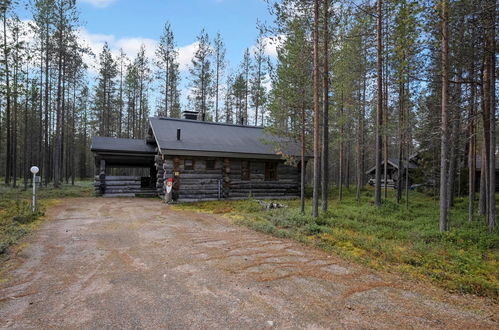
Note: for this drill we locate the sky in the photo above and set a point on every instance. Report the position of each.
(129, 23)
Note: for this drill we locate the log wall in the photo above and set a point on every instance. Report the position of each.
(224, 180)
(118, 185)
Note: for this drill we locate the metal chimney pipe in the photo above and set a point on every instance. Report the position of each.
(178, 134)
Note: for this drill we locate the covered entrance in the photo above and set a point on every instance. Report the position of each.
(124, 167)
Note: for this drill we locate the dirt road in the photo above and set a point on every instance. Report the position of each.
(135, 263)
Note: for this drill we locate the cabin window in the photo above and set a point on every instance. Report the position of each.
(270, 171)
(210, 164)
(245, 170)
(188, 164)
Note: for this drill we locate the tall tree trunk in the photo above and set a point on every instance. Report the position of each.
(167, 76)
(58, 127)
(379, 106)
(341, 158)
(39, 155)
(7, 100)
(325, 110)
(217, 78)
(315, 202)
(46, 151)
(486, 116)
(257, 93)
(401, 125)
(385, 131)
(451, 177)
(471, 149)
(490, 65)
(443, 226)
(482, 199)
(359, 157)
(302, 163)
(16, 110)
(120, 119)
(360, 165)
(25, 132)
(347, 167)
(63, 128)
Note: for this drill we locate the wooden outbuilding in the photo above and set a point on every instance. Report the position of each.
(392, 172)
(205, 160)
(478, 171)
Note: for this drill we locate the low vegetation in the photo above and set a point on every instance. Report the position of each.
(16, 216)
(391, 238)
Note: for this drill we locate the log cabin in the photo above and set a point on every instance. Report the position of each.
(205, 160)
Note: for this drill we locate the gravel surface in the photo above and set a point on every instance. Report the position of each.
(135, 263)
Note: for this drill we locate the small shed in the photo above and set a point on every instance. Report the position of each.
(205, 160)
(392, 171)
(478, 171)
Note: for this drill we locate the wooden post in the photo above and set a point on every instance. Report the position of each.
(226, 178)
(176, 177)
(159, 175)
(102, 177)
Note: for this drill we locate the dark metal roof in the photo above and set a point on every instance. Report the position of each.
(394, 163)
(479, 164)
(212, 139)
(100, 143)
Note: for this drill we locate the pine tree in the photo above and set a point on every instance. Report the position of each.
(202, 76)
(220, 64)
(245, 70)
(167, 70)
(290, 100)
(258, 91)
(444, 205)
(104, 97)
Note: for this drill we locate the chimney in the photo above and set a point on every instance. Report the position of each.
(191, 115)
(178, 134)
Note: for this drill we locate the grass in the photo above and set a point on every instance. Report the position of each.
(16, 216)
(391, 237)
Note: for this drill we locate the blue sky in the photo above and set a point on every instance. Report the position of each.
(128, 23)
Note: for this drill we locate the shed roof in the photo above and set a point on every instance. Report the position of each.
(101, 143)
(479, 164)
(200, 138)
(394, 163)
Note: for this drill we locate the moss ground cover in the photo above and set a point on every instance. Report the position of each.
(392, 238)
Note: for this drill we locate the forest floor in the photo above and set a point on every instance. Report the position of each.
(393, 237)
(138, 263)
(16, 216)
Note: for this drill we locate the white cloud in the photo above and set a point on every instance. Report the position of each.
(185, 55)
(99, 3)
(130, 46)
(271, 45)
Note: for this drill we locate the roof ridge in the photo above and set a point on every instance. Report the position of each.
(204, 122)
(116, 138)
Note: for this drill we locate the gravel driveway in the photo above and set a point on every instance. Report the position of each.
(135, 263)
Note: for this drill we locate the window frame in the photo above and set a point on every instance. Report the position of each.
(271, 171)
(210, 161)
